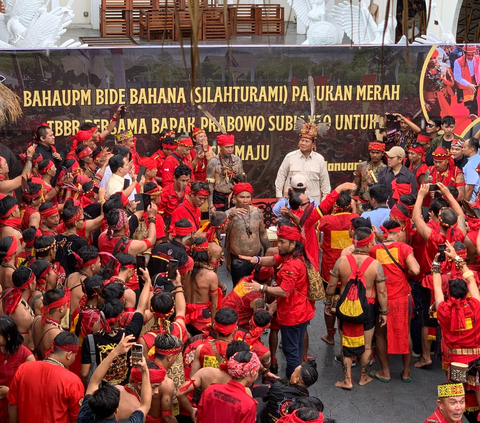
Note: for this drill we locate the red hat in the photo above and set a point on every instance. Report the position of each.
(196, 131)
(81, 136)
(423, 139)
(149, 163)
(470, 48)
(224, 140)
(244, 186)
(435, 54)
(376, 146)
(441, 153)
(186, 142)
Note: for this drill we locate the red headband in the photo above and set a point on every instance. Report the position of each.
(376, 146)
(224, 140)
(67, 348)
(441, 153)
(387, 231)
(241, 187)
(290, 233)
(81, 136)
(225, 329)
(203, 192)
(424, 139)
(52, 211)
(186, 142)
(92, 130)
(364, 242)
(169, 146)
(13, 248)
(409, 119)
(201, 247)
(181, 231)
(170, 352)
(156, 190)
(56, 304)
(75, 218)
(47, 167)
(418, 150)
(156, 375)
(9, 212)
(149, 163)
(186, 267)
(85, 152)
(30, 243)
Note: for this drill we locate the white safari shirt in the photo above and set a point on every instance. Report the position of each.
(314, 169)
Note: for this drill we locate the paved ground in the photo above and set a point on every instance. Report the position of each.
(394, 402)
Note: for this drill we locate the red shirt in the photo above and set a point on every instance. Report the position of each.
(207, 355)
(335, 238)
(228, 402)
(159, 225)
(436, 417)
(45, 393)
(169, 166)
(159, 157)
(239, 299)
(187, 210)
(8, 367)
(169, 200)
(27, 211)
(295, 308)
(108, 245)
(397, 281)
(200, 171)
(463, 338)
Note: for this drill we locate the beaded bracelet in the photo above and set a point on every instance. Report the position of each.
(383, 312)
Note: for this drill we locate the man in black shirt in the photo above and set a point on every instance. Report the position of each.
(393, 170)
(45, 140)
(280, 396)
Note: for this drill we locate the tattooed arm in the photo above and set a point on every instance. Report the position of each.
(263, 232)
(381, 292)
(212, 164)
(12, 184)
(332, 286)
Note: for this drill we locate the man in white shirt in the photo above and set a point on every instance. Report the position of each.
(124, 151)
(467, 76)
(306, 162)
(120, 167)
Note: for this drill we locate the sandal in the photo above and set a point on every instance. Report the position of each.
(373, 374)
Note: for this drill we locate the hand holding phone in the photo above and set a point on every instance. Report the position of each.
(141, 260)
(122, 111)
(441, 249)
(141, 173)
(136, 353)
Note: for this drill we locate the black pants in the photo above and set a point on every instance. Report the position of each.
(239, 268)
(220, 201)
(472, 105)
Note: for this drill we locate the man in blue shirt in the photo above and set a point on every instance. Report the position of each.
(298, 184)
(472, 182)
(378, 199)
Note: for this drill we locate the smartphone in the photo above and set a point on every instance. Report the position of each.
(141, 261)
(172, 269)
(141, 172)
(122, 111)
(144, 201)
(136, 353)
(126, 183)
(433, 187)
(391, 117)
(198, 149)
(441, 250)
(96, 189)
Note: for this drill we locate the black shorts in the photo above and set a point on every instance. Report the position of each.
(425, 302)
(370, 318)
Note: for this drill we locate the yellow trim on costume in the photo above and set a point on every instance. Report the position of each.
(353, 342)
(384, 258)
(340, 240)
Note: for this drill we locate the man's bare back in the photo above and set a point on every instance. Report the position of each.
(23, 318)
(128, 404)
(197, 291)
(43, 336)
(372, 273)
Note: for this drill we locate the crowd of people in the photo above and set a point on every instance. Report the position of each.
(112, 308)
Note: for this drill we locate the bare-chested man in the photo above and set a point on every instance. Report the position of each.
(8, 254)
(47, 327)
(204, 377)
(9, 185)
(15, 302)
(10, 221)
(346, 268)
(89, 265)
(201, 290)
(223, 171)
(130, 395)
(246, 233)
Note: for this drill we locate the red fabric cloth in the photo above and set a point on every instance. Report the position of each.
(63, 393)
(239, 299)
(292, 418)
(169, 200)
(228, 402)
(207, 356)
(420, 171)
(335, 238)
(185, 211)
(295, 308)
(169, 166)
(200, 171)
(463, 338)
(437, 416)
(194, 316)
(7, 372)
(447, 178)
(400, 189)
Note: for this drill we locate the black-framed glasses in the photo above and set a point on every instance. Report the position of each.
(306, 202)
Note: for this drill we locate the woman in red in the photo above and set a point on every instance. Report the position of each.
(12, 354)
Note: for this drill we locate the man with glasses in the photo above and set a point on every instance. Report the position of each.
(393, 170)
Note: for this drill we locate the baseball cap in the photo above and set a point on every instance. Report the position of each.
(396, 152)
(298, 181)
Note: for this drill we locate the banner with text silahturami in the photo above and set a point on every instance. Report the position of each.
(254, 91)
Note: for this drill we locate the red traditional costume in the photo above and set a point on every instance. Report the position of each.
(159, 156)
(169, 200)
(175, 160)
(188, 211)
